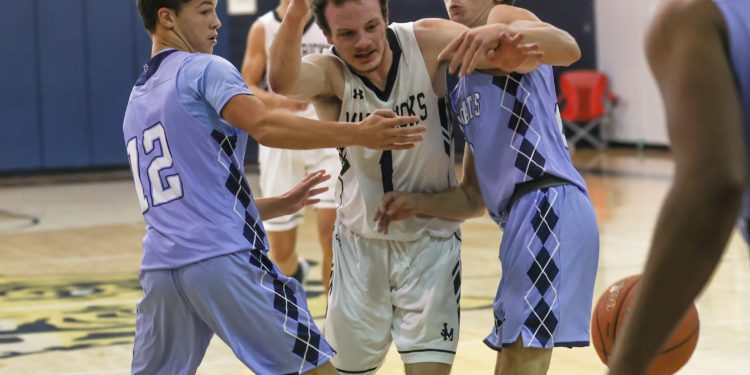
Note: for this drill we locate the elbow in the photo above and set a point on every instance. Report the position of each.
(574, 53)
(277, 85)
(280, 83)
(729, 189)
(476, 202)
(722, 186)
(261, 132)
(477, 211)
(571, 54)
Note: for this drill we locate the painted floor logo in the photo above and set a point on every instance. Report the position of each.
(44, 314)
(50, 314)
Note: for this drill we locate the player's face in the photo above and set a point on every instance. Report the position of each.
(197, 25)
(469, 13)
(358, 33)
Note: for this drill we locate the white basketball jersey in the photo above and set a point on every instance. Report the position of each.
(313, 41)
(367, 174)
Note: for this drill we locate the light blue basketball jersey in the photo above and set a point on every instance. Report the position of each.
(187, 162)
(737, 17)
(513, 126)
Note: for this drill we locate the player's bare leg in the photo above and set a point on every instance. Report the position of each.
(427, 368)
(326, 221)
(517, 360)
(326, 369)
(282, 250)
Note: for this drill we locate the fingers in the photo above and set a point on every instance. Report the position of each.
(317, 191)
(387, 113)
(474, 55)
(400, 121)
(411, 130)
(316, 177)
(458, 58)
(311, 201)
(449, 52)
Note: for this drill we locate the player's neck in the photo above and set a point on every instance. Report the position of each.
(162, 41)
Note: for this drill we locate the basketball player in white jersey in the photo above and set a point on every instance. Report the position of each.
(281, 168)
(404, 286)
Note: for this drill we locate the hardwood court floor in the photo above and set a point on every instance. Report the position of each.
(68, 283)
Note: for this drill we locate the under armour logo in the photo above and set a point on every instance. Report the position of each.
(145, 68)
(446, 333)
(359, 94)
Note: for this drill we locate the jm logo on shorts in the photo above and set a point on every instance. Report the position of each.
(446, 333)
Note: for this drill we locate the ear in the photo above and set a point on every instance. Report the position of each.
(166, 18)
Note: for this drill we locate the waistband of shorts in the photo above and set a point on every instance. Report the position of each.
(545, 181)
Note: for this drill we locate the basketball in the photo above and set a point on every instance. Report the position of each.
(609, 316)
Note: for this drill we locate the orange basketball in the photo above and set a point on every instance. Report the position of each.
(609, 316)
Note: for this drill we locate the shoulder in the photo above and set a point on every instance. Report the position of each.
(258, 27)
(325, 62)
(202, 62)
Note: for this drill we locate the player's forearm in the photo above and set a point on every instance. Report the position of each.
(286, 55)
(459, 203)
(559, 47)
(283, 130)
(694, 225)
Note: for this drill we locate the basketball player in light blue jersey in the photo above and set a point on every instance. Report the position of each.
(699, 52)
(518, 166)
(205, 268)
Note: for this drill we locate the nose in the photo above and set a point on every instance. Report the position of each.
(216, 24)
(363, 42)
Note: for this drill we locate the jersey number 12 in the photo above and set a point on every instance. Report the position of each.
(160, 192)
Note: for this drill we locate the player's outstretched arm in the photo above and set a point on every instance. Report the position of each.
(459, 203)
(288, 74)
(509, 29)
(381, 130)
(687, 52)
(299, 196)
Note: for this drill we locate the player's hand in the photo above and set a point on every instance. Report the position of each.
(494, 44)
(298, 8)
(386, 131)
(395, 206)
(304, 192)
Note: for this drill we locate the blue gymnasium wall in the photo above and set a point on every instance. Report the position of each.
(69, 68)
(70, 64)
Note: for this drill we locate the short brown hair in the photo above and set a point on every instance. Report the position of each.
(149, 10)
(319, 8)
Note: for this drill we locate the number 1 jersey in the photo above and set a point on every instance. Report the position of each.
(366, 174)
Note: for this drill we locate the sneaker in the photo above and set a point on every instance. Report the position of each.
(303, 268)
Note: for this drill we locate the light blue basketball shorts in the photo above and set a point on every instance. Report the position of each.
(242, 297)
(549, 255)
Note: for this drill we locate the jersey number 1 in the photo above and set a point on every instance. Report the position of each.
(160, 192)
